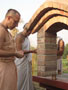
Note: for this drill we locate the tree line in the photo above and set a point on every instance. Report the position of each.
(65, 54)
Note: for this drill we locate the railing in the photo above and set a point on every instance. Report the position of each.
(49, 84)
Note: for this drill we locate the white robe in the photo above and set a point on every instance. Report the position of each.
(24, 69)
(59, 59)
(59, 64)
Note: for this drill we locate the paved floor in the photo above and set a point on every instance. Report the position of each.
(37, 87)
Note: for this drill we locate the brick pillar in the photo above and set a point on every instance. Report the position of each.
(46, 57)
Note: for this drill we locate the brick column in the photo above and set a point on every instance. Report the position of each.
(46, 57)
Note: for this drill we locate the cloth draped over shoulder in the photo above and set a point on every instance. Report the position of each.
(24, 68)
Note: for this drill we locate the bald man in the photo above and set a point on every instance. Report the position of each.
(8, 72)
(24, 67)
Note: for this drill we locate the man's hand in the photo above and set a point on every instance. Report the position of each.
(35, 51)
(19, 54)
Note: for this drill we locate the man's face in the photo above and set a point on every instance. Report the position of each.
(13, 21)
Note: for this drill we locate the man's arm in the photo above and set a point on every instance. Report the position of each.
(19, 41)
(30, 51)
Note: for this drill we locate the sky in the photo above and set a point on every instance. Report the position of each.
(27, 8)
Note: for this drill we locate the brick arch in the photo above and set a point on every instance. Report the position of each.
(54, 20)
(50, 18)
(46, 9)
(46, 17)
(57, 27)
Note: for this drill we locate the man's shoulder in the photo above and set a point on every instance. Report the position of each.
(2, 31)
(20, 36)
(2, 28)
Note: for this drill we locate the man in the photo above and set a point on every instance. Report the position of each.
(59, 55)
(24, 65)
(8, 74)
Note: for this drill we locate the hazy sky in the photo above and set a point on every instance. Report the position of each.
(26, 9)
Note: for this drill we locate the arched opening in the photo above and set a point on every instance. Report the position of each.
(47, 49)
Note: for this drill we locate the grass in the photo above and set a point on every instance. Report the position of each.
(64, 62)
(65, 65)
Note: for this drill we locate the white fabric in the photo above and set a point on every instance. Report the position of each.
(59, 64)
(59, 58)
(24, 69)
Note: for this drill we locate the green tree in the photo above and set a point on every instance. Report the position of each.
(65, 52)
(34, 62)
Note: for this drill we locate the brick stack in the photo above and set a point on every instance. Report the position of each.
(46, 55)
(50, 18)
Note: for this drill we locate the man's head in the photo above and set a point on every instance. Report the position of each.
(60, 43)
(26, 32)
(12, 18)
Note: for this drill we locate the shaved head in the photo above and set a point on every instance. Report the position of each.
(12, 18)
(12, 12)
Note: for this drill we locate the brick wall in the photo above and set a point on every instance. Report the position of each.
(46, 57)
